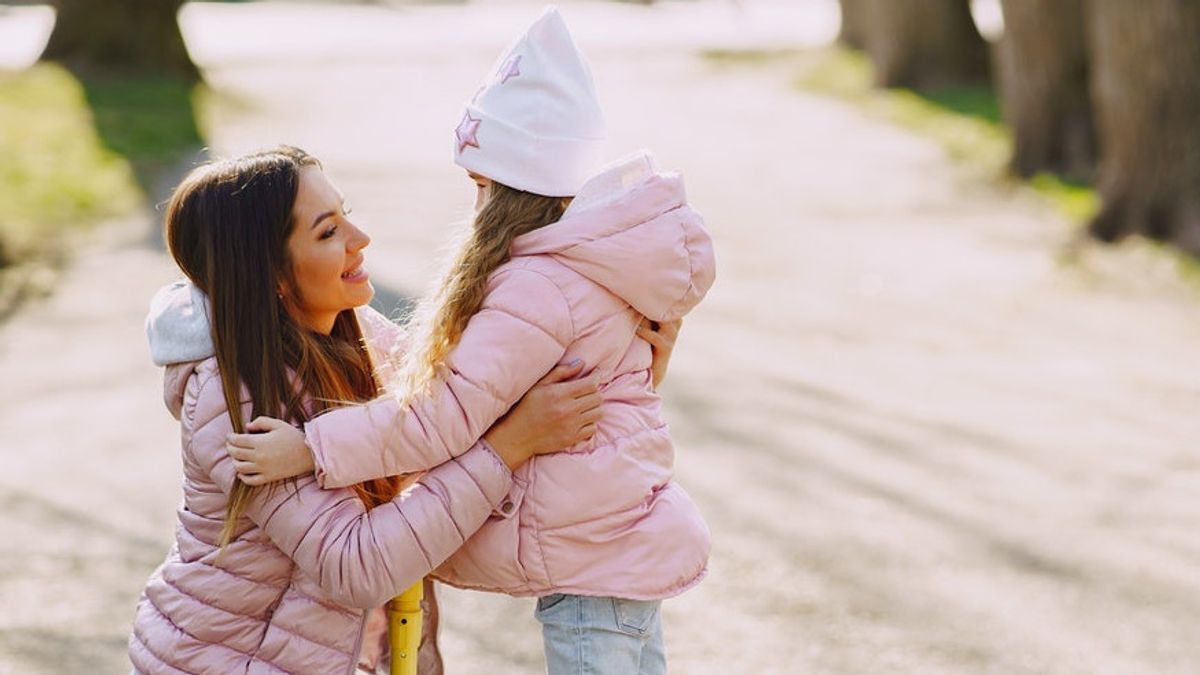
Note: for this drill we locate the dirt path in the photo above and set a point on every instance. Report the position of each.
(924, 445)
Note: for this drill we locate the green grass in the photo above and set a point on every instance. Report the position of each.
(55, 170)
(148, 120)
(74, 152)
(1186, 264)
(1076, 201)
(979, 103)
(77, 151)
(965, 121)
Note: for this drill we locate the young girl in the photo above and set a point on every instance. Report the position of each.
(292, 578)
(562, 262)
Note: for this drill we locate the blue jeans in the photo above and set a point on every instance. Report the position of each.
(601, 636)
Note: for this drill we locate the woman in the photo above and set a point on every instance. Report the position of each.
(289, 577)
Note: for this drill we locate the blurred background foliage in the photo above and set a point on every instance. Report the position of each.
(1096, 104)
(1091, 92)
(91, 131)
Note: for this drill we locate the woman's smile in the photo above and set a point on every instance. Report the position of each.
(356, 275)
(326, 252)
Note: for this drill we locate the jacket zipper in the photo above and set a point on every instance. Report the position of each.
(362, 627)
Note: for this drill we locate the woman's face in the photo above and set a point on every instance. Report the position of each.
(327, 259)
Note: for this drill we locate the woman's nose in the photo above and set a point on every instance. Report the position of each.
(358, 239)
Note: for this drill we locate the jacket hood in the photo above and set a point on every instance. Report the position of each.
(177, 329)
(631, 230)
(177, 324)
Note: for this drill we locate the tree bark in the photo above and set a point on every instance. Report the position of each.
(854, 23)
(126, 36)
(925, 44)
(1043, 74)
(1145, 90)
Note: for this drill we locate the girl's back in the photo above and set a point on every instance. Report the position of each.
(603, 518)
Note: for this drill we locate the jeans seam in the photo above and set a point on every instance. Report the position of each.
(581, 635)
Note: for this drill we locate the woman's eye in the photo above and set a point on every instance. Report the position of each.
(329, 232)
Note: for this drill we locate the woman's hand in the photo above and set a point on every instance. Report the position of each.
(555, 414)
(661, 337)
(271, 450)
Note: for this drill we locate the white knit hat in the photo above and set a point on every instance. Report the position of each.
(535, 124)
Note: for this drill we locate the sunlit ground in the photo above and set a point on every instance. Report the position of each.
(926, 441)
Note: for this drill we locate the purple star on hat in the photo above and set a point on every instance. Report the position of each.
(465, 133)
(511, 69)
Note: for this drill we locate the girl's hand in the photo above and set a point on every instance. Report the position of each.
(555, 414)
(271, 450)
(661, 337)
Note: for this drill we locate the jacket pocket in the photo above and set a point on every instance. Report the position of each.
(490, 559)
(635, 617)
(546, 602)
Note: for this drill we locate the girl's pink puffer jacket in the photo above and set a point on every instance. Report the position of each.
(603, 518)
(300, 588)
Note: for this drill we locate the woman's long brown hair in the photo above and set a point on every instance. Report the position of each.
(439, 322)
(227, 227)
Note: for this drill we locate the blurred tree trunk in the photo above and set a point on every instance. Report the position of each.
(925, 44)
(1145, 65)
(854, 23)
(1043, 74)
(134, 36)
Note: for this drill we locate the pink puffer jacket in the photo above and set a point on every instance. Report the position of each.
(299, 590)
(603, 518)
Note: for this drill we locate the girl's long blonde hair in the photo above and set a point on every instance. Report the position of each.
(440, 321)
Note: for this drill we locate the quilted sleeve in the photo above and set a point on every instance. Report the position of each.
(518, 335)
